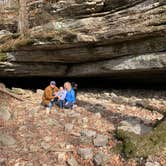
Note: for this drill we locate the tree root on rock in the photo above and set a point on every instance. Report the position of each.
(9, 94)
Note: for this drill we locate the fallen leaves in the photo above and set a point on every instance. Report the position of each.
(41, 139)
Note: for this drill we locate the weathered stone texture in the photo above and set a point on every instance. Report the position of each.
(86, 37)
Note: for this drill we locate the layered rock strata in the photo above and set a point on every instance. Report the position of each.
(82, 38)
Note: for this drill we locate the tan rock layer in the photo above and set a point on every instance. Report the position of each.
(85, 38)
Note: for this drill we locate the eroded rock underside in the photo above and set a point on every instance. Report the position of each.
(80, 38)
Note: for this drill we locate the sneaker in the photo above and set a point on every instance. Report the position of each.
(48, 110)
(55, 110)
(74, 106)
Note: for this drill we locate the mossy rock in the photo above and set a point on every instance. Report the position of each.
(16, 35)
(3, 57)
(23, 42)
(134, 145)
(14, 44)
(17, 91)
(162, 2)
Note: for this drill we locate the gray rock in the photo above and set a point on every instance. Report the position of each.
(2, 86)
(106, 94)
(129, 64)
(29, 164)
(2, 162)
(85, 140)
(6, 140)
(39, 91)
(47, 138)
(118, 99)
(75, 134)
(85, 153)
(18, 91)
(98, 115)
(73, 114)
(100, 159)
(52, 122)
(4, 35)
(100, 140)
(5, 114)
(72, 162)
(134, 125)
(61, 156)
(88, 133)
(33, 148)
(45, 145)
(152, 163)
(68, 127)
(85, 120)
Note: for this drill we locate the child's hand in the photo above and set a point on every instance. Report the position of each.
(55, 94)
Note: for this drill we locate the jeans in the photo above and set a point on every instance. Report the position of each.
(52, 103)
(61, 103)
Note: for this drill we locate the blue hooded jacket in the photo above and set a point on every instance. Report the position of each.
(70, 96)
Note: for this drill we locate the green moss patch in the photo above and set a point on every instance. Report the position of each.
(23, 42)
(3, 57)
(15, 44)
(134, 145)
(61, 36)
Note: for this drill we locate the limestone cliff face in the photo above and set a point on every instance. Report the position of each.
(82, 37)
(9, 14)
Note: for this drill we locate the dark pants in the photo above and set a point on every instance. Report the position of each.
(75, 93)
(68, 105)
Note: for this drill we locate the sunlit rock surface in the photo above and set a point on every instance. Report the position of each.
(82, 38)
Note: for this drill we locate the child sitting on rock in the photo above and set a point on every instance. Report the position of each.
(61, 97)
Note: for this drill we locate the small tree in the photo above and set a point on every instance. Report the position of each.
(23, 23)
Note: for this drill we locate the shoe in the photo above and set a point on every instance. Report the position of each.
(48, 110)
(74, 106)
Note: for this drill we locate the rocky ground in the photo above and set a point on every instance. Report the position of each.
(83, 136)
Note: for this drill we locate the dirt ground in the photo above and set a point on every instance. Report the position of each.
(53, 139)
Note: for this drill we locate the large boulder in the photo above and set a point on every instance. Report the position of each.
(150, 143)
(6, 140)
(135, 126)
(5, 114)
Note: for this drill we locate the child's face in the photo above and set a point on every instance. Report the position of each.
(61, 88)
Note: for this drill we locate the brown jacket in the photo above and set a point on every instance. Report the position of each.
(48, 95)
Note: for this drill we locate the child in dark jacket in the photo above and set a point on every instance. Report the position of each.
(75, 88)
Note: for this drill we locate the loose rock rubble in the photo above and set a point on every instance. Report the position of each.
(86, 153)
(100, 159)
(100, 140)
(81, 136)
(72, 162)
